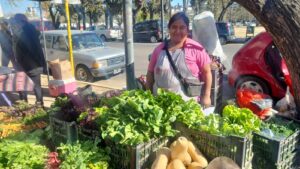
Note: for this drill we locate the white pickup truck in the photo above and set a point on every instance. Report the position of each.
(105, 34)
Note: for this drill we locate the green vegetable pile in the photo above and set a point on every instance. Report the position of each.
(84, 155)
(134, 117)
(16, 154)
(187, 112)
(234, 121)
(280, 127)
(239, 121)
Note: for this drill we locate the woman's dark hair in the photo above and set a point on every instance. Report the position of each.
(178, 16)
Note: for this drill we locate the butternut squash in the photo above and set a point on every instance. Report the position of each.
(176, 164)
(179, 150)
(163, 156)
(196, 155)
(194, 165)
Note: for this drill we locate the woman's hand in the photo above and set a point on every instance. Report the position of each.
(206, 101)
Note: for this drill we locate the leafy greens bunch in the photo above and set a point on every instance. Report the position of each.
(84, 155)
(234, 121)
(17, 154)
(280, 127)
(175, 108)
(134, 117)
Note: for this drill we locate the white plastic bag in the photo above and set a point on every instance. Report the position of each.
(205, 32)
(286, 106)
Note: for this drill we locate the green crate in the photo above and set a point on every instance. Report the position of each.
(237, 148)
(135, 157)
(62, 131)
(289, 163)
(88, 134)
(270, 151)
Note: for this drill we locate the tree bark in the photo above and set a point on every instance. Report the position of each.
(282, 20)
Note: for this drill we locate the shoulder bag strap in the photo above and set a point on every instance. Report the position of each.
(172, 63)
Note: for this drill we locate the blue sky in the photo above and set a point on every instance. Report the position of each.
(175, 2)
(20, 8)
(23, 4)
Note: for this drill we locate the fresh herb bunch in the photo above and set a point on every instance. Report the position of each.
(17, 154)
(83, 155)
(65, 109)
(280, 127)
(88, 119)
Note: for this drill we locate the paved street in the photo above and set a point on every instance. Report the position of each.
(141, 52)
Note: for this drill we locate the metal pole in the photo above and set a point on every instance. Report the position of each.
(162, 19)
(184, 5)
(44, 39)
(128, 42)
(69, 35)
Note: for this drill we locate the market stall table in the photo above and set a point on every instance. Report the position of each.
(12, 81)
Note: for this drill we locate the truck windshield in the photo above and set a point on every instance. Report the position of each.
(85, 41)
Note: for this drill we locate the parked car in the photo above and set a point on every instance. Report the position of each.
(148, 31)
(91, 57)
(259, 66)
(38, 25)
(225, 31)
(105, 34)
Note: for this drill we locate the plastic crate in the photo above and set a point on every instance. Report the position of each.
(88, 134)
(237, 148)
(135, 157)
(288, 163)
(278, 153)
(62, 131)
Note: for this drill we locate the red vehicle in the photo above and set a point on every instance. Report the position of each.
(258, 65)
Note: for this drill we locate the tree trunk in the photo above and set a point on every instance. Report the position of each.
(83, 18)
(282, 20)
(54, 17)
(91, 19)
(221, 17)
(111, 19)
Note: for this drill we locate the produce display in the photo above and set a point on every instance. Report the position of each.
(127, 119)
(182, 154)
(84, 155)
(21, 117)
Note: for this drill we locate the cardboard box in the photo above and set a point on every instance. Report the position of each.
(57, 87)
(61, 69)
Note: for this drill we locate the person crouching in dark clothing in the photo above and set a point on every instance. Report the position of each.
(29, 53)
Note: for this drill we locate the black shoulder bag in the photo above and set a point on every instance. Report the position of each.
(191, 87)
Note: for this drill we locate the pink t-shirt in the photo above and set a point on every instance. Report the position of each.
(195, 57)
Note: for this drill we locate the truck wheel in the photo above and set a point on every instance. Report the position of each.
(83, 74)
(103, 38)
(153, 39)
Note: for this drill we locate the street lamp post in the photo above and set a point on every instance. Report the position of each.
(128, 41)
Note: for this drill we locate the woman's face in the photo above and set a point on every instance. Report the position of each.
(178, 31)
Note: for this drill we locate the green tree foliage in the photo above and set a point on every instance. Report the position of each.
(93, 8)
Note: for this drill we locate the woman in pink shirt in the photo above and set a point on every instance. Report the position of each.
(189, 57)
